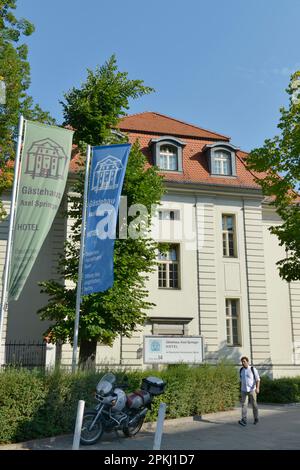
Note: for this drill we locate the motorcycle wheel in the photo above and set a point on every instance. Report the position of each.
(131, 431)
(90, 436)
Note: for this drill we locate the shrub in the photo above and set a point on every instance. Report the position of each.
(283, 390)
(21, 394)
(36, 404)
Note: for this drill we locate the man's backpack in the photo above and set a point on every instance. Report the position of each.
(252, 370)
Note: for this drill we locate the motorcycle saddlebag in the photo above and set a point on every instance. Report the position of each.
(137, 399)
(153, 385)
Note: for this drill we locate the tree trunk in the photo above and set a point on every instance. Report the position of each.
(87, 354)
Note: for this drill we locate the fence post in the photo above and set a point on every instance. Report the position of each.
(50, 356)
(159, 426)
(78, 425)
(2, 354)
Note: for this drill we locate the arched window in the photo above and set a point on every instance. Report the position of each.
(168, 158)
(167, 153)
(221, 158)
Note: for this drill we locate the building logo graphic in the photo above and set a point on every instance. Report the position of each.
(155, 346)
(46, 159)
(106, 174)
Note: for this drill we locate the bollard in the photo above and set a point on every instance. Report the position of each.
(78, 425)
(159, 426)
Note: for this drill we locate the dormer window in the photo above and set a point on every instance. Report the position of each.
(167, 153)
(222, 163)
(168, 158)
(221, 159)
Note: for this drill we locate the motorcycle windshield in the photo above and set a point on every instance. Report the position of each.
(106, 384)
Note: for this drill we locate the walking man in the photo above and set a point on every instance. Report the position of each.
(250, 382)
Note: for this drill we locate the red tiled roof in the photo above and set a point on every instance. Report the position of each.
(195, 164)
(146, 126)
(160, 124)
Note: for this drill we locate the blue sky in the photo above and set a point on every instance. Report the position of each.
(221, 65)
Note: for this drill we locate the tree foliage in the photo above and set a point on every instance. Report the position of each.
(93, 110)
(278, 165)
(15, 73)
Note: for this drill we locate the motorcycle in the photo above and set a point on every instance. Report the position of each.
(116, 410)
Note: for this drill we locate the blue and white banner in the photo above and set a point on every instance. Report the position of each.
(106, 178)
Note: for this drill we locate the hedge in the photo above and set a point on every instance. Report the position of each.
(283, 390)
(35, 404)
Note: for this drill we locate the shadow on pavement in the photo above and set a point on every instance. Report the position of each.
(278, 429)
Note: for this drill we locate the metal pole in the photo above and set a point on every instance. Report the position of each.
(78, 294)
(159, 426)
(4, 299)
(78, 425)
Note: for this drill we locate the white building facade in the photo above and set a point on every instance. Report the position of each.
(219, 278)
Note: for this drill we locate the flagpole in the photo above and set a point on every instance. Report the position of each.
(79, 282)
(4, 299)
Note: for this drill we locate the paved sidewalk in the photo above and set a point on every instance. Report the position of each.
(279, 428)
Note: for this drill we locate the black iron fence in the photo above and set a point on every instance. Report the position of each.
(32, 354)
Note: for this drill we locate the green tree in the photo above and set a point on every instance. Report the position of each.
(278, 165)
(94, 110)
(15, 73)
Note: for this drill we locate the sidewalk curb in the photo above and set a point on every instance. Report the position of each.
(148, 426)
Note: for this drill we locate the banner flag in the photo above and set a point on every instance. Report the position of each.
(106, 178)
(44, 170)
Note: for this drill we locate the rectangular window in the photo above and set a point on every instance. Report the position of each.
(168, 268)
(229, 236)
(233, 322)
(168, 158)
(165, 214)
(222, 163)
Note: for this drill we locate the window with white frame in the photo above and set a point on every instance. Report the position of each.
(166, 214)
(229, 236)
(233, 327)
(168, 158)
(167, 153)
(222, 158)
(168, 268)
(222, 163)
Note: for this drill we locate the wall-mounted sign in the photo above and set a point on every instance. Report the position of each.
(173, 349)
